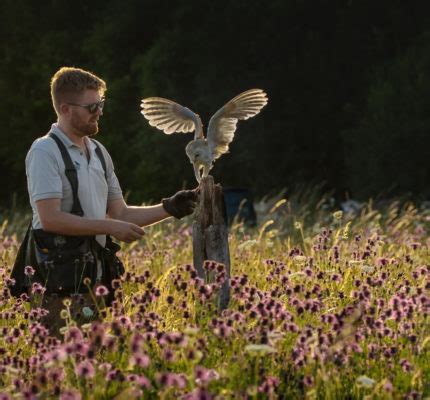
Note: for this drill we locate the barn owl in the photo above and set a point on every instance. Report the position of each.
(171, 117)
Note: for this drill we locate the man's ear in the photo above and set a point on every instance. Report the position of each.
(64, 109)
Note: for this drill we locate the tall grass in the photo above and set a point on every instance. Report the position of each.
(325, 305)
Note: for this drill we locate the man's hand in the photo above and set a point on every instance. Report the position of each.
(126, 231)
(181, 203)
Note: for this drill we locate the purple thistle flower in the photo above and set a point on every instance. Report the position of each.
(269, 384)
(168, 355)
(56, 374)
(29, 271)
(105, 367)
(143, 382)
(372, 350)
(102, 291)
(166, 379)
(70, 395)
(204, 375)
(116, 284)
(8, 282)
(291, 327)
(85, 370)
(412, 395)
(17, 383)
(24, 297)
(73, 334)
(223, 331)
(406, 365)
(388, 386)
(57, 354)
(38, 330)
(37, 288)
(140, 360)
(355, 348)
(115, 374)
(382, 261)
(412, 338)
(308, 380)
(131, 378)
(300, 310)
(124, 321)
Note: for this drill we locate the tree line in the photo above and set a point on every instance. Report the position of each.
(348, 84)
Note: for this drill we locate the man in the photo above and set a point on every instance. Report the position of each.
(78, 100)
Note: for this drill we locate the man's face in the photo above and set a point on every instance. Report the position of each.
(83, 122)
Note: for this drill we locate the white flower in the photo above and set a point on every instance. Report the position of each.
(275, 335)
(191, 330)
(298, 274)
(299, 259)
(259, 349)
(87, 312)
(367, 268)
(365, 381)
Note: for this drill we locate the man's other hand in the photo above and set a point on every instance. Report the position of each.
(181, 203)
(126, 231)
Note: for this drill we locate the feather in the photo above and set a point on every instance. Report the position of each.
(222, 125)
(170, 117)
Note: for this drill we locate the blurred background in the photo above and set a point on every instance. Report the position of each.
(348, 85)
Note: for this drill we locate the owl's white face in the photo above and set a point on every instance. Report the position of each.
(200, 156)
(198, 152)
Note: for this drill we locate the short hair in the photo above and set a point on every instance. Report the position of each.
(73, 81)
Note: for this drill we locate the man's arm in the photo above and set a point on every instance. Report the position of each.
(179, 205)
(57, 221)
(142, 216)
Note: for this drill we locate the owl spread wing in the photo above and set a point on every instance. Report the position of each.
(222, 125)
(171, 117)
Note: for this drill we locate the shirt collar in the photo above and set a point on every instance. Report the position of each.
(90, 144)
(63, 137)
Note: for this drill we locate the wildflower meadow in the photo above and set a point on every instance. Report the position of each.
(325, 304)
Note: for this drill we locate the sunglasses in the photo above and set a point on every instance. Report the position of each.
(92, 108)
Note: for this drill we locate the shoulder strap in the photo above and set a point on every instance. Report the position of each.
(101, 157)
(71, 174)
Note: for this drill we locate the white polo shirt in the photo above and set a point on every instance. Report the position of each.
(46, 177)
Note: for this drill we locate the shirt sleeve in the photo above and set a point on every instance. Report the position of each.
(43, 176)
(114, 188)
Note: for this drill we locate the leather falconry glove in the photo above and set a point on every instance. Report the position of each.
(181, 203)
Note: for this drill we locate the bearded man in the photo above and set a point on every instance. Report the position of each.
(77, 202)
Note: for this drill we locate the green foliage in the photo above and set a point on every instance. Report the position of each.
(329, 117)
(390, 143)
